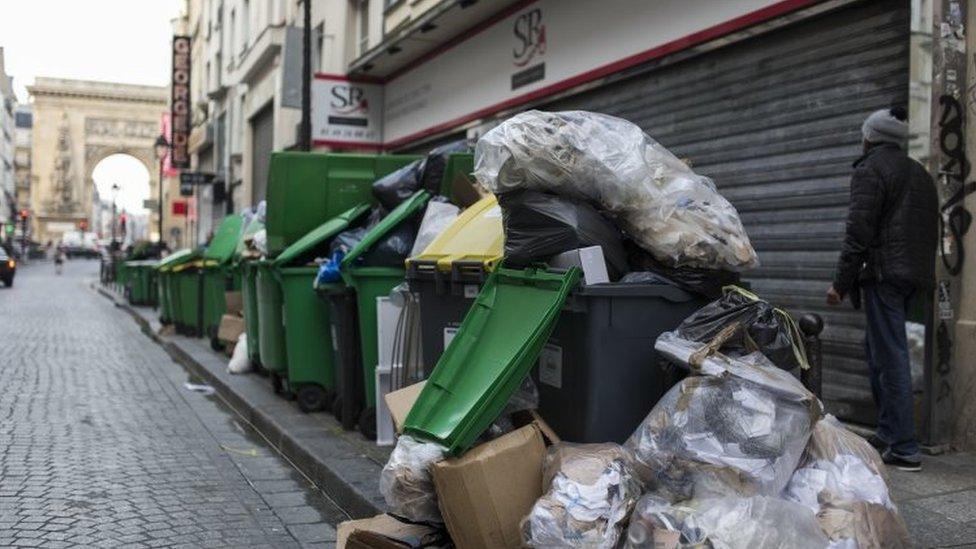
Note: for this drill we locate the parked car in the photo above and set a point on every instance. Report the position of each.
(8, 268)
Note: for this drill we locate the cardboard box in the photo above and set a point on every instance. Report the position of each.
(484, 494)
(230, 329)
(400, 402)
(382, 532)
(589, 259)
(235, 303)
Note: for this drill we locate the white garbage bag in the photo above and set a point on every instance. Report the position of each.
(439, 216)
(738, 430)
(239, 363)
(406, 482)
(668, 209)
(590, 491)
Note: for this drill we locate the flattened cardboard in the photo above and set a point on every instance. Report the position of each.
(377, 532)
(235, 303)
(231, 327)
(484, 494)
(400, 401)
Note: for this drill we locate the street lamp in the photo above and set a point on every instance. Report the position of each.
(162, 149)
(115, 194)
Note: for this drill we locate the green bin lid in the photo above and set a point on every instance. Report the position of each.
(319, 235)
(402, 212)
(495, 347)
(224, 241)
(176, 258)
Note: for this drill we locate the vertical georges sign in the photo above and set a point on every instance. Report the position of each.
(346, 113)
(180, 104)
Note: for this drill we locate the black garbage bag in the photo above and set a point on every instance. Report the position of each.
(704, 282)
(436, 161)
(540, 225)
(391, 250)
(346, 240)
(394, 188)
(766, 329)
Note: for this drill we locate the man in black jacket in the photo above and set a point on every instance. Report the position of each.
(889, 253)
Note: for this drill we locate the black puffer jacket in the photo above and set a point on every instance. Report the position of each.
(892, 227)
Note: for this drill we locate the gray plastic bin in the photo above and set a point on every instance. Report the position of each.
(599, 375)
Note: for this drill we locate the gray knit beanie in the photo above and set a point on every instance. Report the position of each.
(883, 127)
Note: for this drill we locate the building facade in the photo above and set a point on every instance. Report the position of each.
(23, 176)
(8, 188)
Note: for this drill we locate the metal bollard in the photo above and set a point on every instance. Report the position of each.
(812, 325)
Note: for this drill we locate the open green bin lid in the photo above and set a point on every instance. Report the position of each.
(318, 235)
(176, 258)
(224, 242)
(399, 214)
(494, 349)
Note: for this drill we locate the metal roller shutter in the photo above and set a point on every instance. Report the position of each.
(775, 120)
(262, 131)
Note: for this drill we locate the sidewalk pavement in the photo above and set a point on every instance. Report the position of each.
(939, 503)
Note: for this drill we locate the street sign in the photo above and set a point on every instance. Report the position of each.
(150, 204)
(196, 179)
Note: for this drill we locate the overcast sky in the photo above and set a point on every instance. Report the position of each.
(110, 40)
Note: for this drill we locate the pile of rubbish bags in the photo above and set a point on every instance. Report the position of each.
(738, 454)
(660, 204)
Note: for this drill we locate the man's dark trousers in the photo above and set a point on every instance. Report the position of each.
(886, 345)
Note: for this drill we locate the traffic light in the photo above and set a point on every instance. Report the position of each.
(24, 214)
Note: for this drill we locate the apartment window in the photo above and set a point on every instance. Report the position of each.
(219, 58)
(232, 42)
(319, 39)
(245, 25)
(206, 78)
(363, 26)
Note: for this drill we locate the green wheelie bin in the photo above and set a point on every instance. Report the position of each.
(370, 283)
(141, 286)
(308, 343)
(271, 328)
(188, 309)
(217, 275)
(166, 291)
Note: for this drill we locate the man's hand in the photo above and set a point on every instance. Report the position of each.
(833, 298)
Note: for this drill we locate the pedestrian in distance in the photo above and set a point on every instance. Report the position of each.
(887, 260)
(59, 257)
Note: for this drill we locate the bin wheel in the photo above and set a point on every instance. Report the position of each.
(312, 398)
(337, 408)
(276, 383)
(367, 423)
(216, 344)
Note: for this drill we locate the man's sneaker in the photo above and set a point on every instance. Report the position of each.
(910, 465)
(878, 444)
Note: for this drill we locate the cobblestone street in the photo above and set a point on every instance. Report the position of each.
(102, 446)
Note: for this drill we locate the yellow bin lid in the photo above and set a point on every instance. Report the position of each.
(476, 236)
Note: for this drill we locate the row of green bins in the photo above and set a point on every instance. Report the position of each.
(447, 276)
(166, 283)
(305, 190)
(497, 344)
(310, 373)
(370, 283)
(217, 275)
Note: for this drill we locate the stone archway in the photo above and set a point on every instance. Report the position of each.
(78, 123)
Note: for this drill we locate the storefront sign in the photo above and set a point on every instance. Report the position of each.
(180, 208)
(346, 113)
(540, 49)
(180, 107)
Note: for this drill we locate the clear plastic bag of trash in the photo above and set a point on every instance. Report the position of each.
(396, 187)
(406, 483)
(842, 479)
(590, 491)
(765, 328)
(737, 430)
(755, 522)
(438, 216)
(524, 399)
(668, 209)
(540, 225)
(260, 241)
